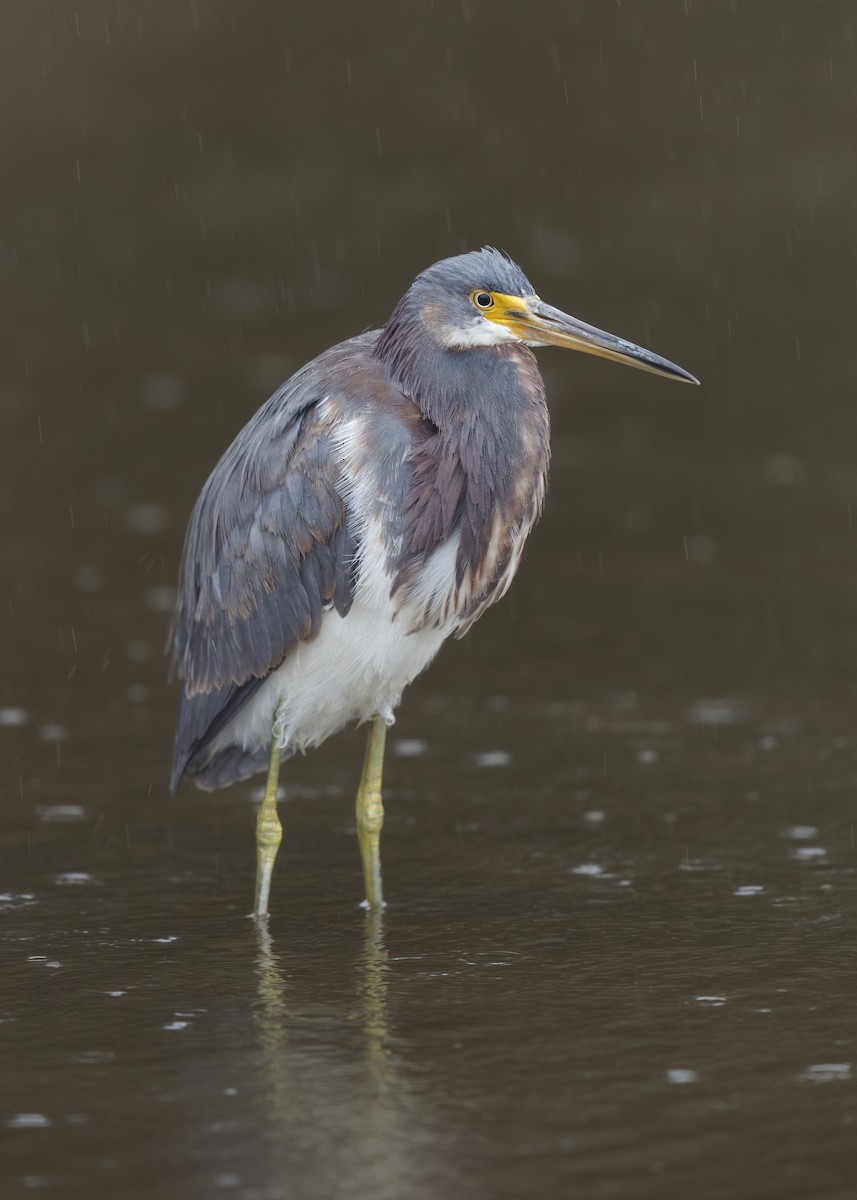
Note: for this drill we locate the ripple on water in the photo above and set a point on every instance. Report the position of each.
(799, 833)
(809, 853)
(51, 814)
(682, 1075)
(493, 758)
(826, 1073)
(723, 710)
(698, 864)
(28, 1121)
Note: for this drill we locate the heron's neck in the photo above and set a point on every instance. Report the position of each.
(480, 389)
(482, 455)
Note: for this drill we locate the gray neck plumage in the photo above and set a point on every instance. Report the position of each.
(488, 434)
(476, 396)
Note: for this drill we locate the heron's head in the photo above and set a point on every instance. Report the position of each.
(483, 299)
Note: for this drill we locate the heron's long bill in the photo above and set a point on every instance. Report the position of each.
(543, 325)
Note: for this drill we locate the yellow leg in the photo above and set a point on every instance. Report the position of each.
(370, 813)
(269, 834)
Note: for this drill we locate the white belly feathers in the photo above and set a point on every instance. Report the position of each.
(359, 664)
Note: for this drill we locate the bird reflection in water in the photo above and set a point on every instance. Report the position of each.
(336, 1102)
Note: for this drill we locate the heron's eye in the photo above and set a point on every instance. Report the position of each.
(483, 299)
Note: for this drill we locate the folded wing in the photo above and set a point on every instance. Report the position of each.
(269, 550)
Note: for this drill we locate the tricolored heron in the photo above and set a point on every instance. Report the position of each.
(377, 503)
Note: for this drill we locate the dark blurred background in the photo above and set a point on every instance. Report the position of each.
(198, 197)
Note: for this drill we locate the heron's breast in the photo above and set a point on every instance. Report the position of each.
(440, 525)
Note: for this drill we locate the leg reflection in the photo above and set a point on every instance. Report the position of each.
(372, 990)
(271, 1016)
(337, 1108)
(275, 1018)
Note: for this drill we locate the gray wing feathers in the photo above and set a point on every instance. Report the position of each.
(267, 552)
(260, 560)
